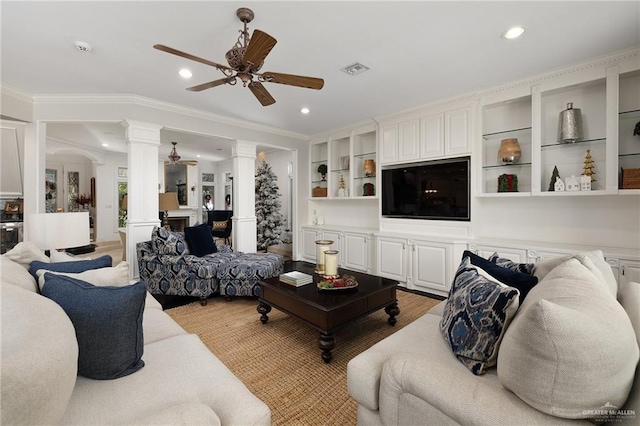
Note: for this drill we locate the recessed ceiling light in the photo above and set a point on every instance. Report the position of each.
(198, 155)
(82, 46)
(514, 32)
(305, 110)
(105, 144)
(185, 73)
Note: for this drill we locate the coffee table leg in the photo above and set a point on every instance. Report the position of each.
(392, 310)
(326, 342)
(264, 309)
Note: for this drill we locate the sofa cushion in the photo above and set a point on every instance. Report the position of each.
(571, 348)
(157, 325)
(629, 298)
(199, 240)
(187, 414)
(525, 268)
(15, 274)
(116, 276)
(56, 256)
(168, 242)
(523, 282)
(74, 267)
(476, 315)
(39, 358)
(108, 323)
(593, 260)
(26, 252)
(178, 370)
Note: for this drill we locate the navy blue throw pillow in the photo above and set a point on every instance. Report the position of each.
(108, 323)
(199, 240)
(73, 267)
(523, 282)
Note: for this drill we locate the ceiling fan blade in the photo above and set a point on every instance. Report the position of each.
(189, 56)
(261, 93)
(211, 84)
(293, 80)
(259, 47)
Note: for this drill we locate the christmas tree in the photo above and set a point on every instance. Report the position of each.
(554, 175)
(587, 170)
(268, 216)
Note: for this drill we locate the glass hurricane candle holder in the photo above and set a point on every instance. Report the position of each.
(321, 247)
(331, 264)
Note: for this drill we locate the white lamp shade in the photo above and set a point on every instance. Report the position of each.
(50, 231)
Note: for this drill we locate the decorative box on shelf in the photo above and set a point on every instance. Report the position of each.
(319, 192)
(630, 178)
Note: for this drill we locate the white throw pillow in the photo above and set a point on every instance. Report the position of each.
(571, 347)
(60, 256)
(26, 252)
(593, 260)
(116, 276)
(15, 274)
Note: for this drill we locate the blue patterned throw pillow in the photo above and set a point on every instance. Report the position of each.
(476, 315)
(525, 268)
(168, 242)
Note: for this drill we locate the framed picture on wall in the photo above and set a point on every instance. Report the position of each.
(13, 207)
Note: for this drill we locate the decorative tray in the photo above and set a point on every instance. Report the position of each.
(347, 282)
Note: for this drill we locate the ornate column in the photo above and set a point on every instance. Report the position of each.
(143, 140)
(243, 154)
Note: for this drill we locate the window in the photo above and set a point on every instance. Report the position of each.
(208, 189)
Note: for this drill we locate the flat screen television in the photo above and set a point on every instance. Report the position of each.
(437, 190)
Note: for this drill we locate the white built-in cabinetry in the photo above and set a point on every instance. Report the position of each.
(610, 108)
(425, 264)
(353, 246)
(344, 154)
(444, 134)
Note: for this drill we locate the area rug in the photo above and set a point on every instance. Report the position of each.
(280, 361)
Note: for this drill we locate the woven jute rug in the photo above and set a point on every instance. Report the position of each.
(280, 361)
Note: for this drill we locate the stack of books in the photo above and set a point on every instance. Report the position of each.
(296, 278)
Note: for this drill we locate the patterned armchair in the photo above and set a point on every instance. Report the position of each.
(168, 268)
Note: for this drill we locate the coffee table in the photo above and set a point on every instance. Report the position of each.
(328, 310)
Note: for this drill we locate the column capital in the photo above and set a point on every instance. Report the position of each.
(244, 149)
(142, 131)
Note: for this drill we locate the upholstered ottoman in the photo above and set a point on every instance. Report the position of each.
(240, 276)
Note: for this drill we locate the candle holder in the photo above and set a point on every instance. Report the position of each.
(321, 247)
(331, 264)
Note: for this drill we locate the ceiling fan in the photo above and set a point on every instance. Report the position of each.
(245, 59)
(174, 158)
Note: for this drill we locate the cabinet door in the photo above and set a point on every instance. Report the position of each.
(514, 254)
(457, 135)
(430, 270)
(309, 237)
(391, 258)
(432, 136)
(629, 271)
(356, 253)
(336, 237)
(389, 144)
(408, 140)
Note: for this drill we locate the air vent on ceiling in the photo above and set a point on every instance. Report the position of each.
(83, 47)
(355, 68)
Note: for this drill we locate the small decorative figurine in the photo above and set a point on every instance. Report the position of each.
(559, 185)
(554, 177)
(587, 170)
(585, 183)
(322, 169)
(572, 184)
(342, 188)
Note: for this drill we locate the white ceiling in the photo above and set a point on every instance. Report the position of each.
(418, 52)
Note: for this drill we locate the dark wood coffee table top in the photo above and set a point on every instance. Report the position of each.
(328, 310)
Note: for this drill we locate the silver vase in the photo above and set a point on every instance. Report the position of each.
(570, 125)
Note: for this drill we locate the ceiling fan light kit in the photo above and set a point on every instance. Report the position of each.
(245, 59)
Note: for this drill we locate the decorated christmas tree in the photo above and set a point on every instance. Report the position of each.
(268, 216)
(587, 170)
(554, 175)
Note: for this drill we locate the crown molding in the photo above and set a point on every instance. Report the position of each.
(164, 106)
(14, 93)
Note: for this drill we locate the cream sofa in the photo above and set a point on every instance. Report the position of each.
(182, 382)
(412, 376)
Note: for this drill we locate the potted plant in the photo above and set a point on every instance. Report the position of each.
(322, 169)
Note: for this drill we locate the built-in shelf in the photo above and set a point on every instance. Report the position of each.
(364, 177)
(366, 154)
(628, 115)
(497, 166)
(512, 133)
(556, 144)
